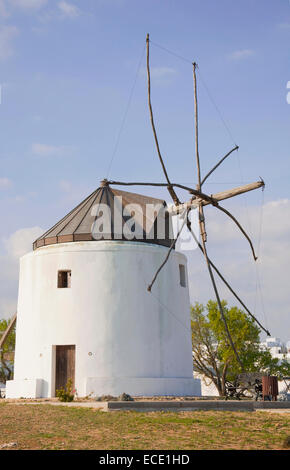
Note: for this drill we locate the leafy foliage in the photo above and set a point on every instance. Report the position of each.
(212, 354)
(66, 394)
(6, 354)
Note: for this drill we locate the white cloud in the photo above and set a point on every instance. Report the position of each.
(28, 4)
(285, 26)
(18, 199)
(7, 307)
(7, 34)
(72, 193)
(223, 230)
(68, 10)
(3, 10)
(65, 186)
(37, 117)
(5, 183)
(241, 54)
(6, 6)
(43, 150)
(19, 243)
(160, 74)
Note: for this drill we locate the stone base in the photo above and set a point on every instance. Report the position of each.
(143, 386)
(28, 388)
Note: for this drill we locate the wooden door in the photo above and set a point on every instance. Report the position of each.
(65, 366)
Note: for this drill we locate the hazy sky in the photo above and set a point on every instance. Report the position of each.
(67, 72)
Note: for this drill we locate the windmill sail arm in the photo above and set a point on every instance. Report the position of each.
(238, 298)
(202, 223)
(203, 199)
(215, 197)
(170, 188)
(231, 342)
(229, 214)
(219, 163)
(8, 330)
(226, 282)
(199, 196)
(239, 190)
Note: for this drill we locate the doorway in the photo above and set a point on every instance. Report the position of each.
(64, 366)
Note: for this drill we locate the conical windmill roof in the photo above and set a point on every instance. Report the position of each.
(78, 224)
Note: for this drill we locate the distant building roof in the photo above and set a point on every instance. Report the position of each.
(78, 225)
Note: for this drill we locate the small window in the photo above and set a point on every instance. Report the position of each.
(64, 279)
(182, 275)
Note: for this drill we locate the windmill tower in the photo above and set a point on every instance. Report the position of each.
(84, 311)
(90, 307)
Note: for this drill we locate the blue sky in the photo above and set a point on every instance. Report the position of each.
(67, 69)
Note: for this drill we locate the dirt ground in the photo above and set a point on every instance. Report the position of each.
(50, 427)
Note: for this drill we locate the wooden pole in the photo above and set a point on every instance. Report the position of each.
(199, 201)
(169, 187)
(239, 190)
(217, 197)
(202, 223)
(204, 250)
(198, 187)
(196, 127)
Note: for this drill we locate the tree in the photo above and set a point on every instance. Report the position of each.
(6, 354)
(213, 356)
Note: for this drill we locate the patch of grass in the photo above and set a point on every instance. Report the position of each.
(51, 427)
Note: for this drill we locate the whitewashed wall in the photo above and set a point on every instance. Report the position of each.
(207, 389)
(123, 334)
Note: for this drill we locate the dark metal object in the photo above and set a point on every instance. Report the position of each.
(254, 384)
(247, 384)
(270, 387)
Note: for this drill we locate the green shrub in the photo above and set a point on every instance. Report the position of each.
(66, 394)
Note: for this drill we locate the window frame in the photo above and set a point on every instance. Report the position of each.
(182, 275)
(60, 279)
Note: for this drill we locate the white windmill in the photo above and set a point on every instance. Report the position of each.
(87, 308)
